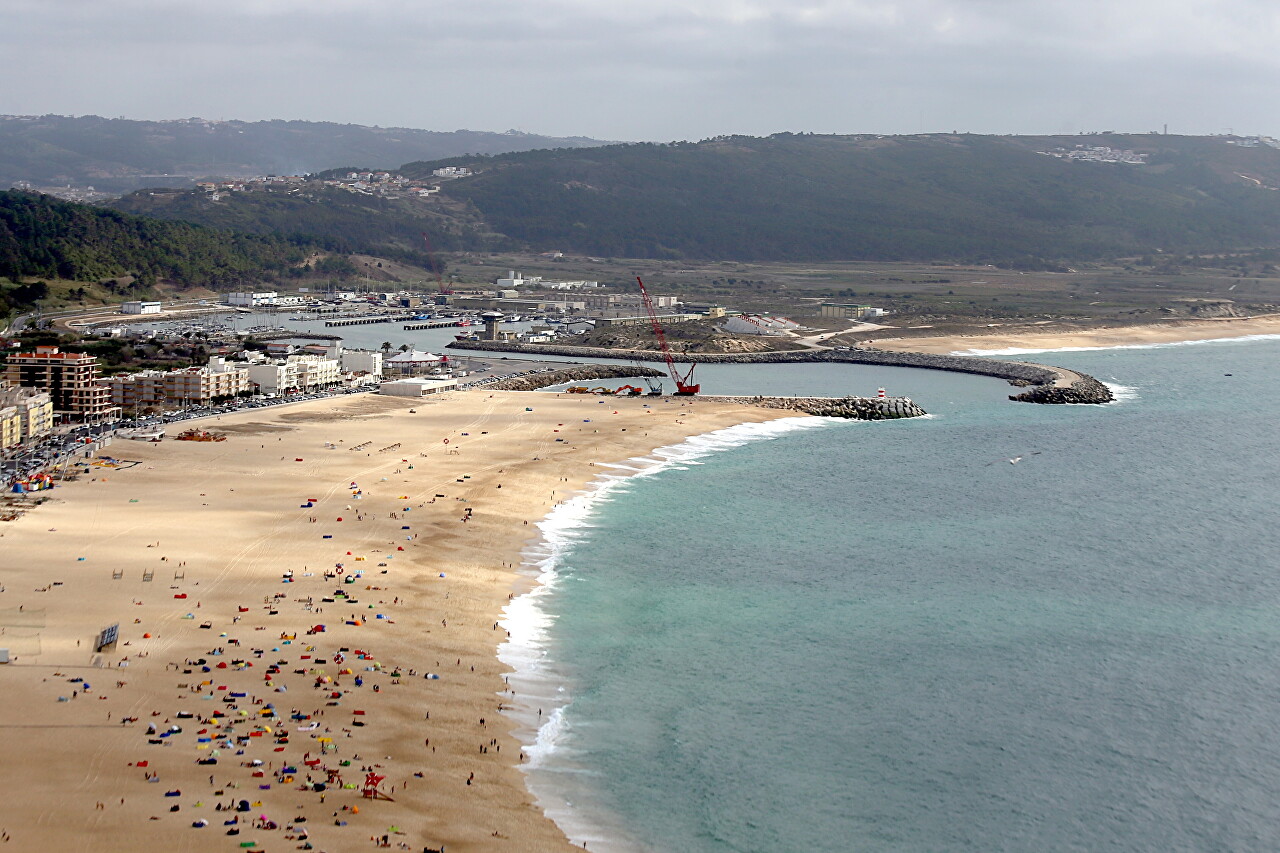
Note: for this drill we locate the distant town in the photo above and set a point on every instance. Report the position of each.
(1097, 154)
(387, 184)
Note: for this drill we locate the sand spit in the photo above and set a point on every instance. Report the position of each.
(1120, 336)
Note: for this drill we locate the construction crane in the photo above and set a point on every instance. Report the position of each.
(685, 386)
(435, 266)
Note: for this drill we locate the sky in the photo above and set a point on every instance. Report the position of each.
(656, 69)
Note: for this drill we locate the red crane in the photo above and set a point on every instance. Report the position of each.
(684, 384)
(431, 257)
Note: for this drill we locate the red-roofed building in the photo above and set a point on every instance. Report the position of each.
(71, 380)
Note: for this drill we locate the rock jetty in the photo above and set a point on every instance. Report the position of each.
(1085, 389)
(1047, 384)
(582, 373)
(849, 408)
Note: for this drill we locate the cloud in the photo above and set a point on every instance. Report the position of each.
(660, 69)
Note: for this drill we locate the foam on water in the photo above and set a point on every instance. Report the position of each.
(1165, 345)
(1121, 393)
(542, 694)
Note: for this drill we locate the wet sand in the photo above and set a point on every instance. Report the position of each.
(403, 681)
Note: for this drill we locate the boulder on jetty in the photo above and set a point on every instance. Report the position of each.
(1086, 389)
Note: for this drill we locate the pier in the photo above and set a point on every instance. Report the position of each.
(365, 321)
(429, 324)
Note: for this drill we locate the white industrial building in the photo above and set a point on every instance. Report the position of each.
(569, 285)
(252, 300)
(627, 301)
(137, 307)
(515, 279)
(416, 387)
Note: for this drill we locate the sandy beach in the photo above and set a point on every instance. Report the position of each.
(224, 703)
(1140, 335)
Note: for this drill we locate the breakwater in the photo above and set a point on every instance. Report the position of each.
(580, 373)
(849, 408)
(1049, 384)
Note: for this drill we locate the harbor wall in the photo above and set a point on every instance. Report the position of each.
(580, 373)
(849, 408)
(1053, 385)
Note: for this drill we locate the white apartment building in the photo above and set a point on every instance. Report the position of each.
(297, 372)
(186, 387)
(10, 427)
(361, 361)
(32, 407)
(317, 372)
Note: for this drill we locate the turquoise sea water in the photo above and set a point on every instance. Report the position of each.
(830, 636)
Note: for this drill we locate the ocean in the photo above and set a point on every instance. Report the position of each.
(1001, 627)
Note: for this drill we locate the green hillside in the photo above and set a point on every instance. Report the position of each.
(41, 237)
(340, 221)
(792, 197)
(805, 197)
(122, 154)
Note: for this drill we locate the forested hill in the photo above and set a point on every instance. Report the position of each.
(46, 238)
(122, 155)
(807, 197)
(802, 198)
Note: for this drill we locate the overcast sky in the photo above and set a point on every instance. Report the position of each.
(656, 69)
